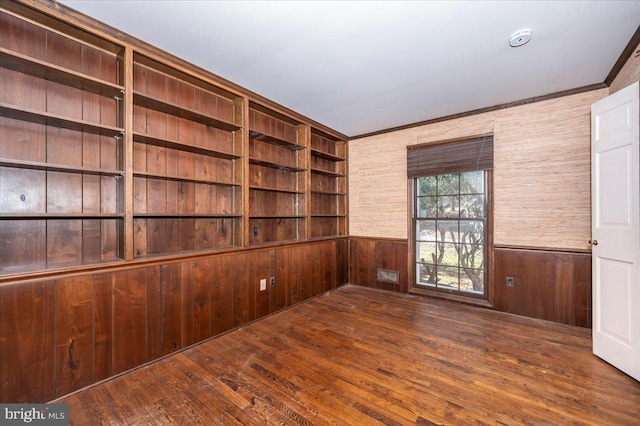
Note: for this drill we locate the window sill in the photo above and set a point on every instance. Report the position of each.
(452, 297)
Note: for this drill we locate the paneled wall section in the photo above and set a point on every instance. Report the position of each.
(554, 286)
(62, 334)
(367, 255)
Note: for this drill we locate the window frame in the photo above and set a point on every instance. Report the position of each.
(487, 298)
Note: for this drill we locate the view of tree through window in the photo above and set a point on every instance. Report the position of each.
(450, 231)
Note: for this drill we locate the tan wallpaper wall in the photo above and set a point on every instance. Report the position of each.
(541, 173)
(630, 73)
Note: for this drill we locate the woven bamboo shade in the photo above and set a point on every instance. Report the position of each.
(457, 156)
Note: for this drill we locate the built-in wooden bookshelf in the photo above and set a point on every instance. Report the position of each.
(187, 162)
(277, 177)
(328, 185)
(61, 145)
(113, 151)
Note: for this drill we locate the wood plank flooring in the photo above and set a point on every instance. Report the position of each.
(359, 356)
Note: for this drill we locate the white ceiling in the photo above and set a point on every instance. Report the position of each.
(364, 66)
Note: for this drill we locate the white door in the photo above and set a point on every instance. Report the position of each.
(615, 230)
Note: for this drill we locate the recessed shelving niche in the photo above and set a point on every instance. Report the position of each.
(328, 185)
(187, 162)
(277, 177)
(61, 148)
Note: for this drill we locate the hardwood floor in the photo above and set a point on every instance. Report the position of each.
(359, 356)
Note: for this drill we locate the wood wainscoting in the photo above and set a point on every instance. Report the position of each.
(69, 331)
(550, 285)
(367, 255)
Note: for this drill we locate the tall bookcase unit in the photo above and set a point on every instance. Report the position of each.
(187, 162)
(277, 177)
(143, 201)
(328, 185)
(113, 152)
(61, 147)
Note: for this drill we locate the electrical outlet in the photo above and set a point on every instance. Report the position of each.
(263, 284)
(510, 282)
(272, 281)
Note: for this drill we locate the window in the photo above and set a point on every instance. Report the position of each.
(451, 216)
(450, 222)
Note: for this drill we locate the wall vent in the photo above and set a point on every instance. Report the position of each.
(387, 276)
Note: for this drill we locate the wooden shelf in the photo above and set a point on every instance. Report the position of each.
(275, 165)
(159, 105)
(285, 216)
(264, 137)
(273, 189)
(168, 143)
(182, 179)
(21, 216)
(36, 165)
(328, 215)
(37, 68)
(328, 192)
(41, 117)
(184, 215)
(326, 155)
(326, 172)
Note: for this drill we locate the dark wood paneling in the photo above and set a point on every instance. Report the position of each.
(554, 286)
(512, 300)
(201, 299)
(26, 342)
(262, 267)
(366, 255)
(392, 255)
(582, 295)
(342, 262)
(129, 319)
(286, 273)
(239, 274)
(222, 294)
(74, 322)
(301, 256)
(103, 325)
(60, 335)
(164, 297)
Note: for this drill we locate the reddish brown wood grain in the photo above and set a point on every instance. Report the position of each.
(27, 342)
(202, 308)
(103, 325)
(222, 293)
(129, 335)
(83, 328)
(555, 286)
(163, 305)
(393, 255)
(243, 298)
(74, 334)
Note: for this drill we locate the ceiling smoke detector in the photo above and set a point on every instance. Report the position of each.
(520, 38)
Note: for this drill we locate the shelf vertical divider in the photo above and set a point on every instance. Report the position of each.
(345, 197)
(128, 152)
(304, 138)
(242, 107)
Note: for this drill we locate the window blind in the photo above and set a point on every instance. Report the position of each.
(458, 156)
